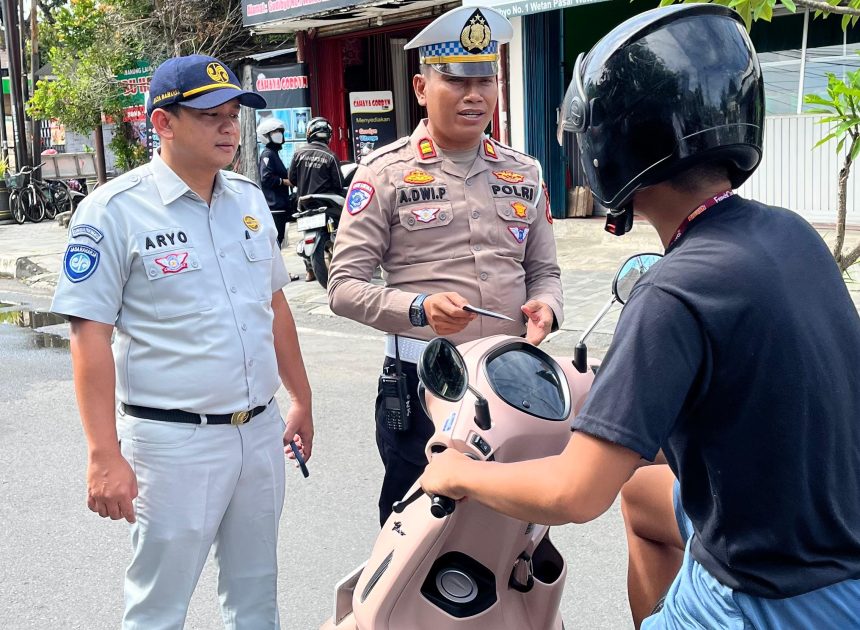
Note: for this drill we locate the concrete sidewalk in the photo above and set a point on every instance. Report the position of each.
(587, 255)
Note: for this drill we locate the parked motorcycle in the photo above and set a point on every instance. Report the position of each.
(317, 219)
(441, 565)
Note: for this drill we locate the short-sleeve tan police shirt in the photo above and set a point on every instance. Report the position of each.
(488, 236)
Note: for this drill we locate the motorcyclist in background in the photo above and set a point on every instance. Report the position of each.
(274, 177)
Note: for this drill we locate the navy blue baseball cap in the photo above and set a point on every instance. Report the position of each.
(197, 81)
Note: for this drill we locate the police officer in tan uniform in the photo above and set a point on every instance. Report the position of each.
(455, 219)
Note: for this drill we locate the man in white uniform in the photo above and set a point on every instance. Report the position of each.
(180, 258)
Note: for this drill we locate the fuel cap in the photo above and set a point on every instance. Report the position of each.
(456, 586)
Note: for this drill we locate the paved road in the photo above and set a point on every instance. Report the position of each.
(62, 567)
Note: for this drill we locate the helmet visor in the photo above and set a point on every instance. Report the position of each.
(571, 115)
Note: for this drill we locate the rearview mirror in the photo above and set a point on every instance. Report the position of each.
(442, 370)
(630, 272)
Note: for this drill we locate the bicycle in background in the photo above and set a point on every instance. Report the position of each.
(26, 201)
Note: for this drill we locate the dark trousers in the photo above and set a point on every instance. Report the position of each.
(402, 452)
(280, 218)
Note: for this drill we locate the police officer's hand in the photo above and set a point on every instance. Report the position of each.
(540, 319)
(300, 429)
(445, 313)
(111, 486)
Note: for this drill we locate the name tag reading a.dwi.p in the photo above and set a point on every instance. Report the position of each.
(416, 194)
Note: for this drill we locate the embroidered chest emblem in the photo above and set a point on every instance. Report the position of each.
(510, 176)
(426, 215)
(251, 223)
(521, 210)
(418, 177)
(518, 232)
(173, 263)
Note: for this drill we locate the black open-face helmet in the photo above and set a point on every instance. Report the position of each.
(665, 91)
(319, 130)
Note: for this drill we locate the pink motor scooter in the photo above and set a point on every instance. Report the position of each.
(440, 565)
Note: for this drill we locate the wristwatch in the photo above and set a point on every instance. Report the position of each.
(417, 316)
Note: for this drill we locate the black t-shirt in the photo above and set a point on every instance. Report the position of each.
(315, 170)
(739, 354)
(272, 172)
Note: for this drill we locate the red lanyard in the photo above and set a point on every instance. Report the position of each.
(707, 205)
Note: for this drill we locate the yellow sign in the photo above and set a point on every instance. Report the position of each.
(251, 223)
(418, 177)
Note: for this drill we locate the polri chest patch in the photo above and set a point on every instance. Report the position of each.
(418, 194)
(80, 262)
(513, 190)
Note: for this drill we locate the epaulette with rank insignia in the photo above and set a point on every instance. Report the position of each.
(525, 158)
(388, 148)
(232, 175)
(103, 194)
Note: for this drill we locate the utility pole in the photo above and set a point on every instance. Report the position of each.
(4, 142)
(13, 43)
(34, 67)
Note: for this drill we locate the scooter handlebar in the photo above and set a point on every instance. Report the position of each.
(440, 506)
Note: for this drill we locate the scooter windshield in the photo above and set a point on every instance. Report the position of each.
(530, 380)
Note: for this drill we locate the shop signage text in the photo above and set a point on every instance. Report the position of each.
(527, 7)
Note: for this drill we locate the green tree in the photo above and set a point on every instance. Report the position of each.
(841, 106)
(86, 52)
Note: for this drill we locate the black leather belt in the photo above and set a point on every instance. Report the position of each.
(177, 415)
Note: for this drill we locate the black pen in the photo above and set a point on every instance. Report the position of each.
(247, 235)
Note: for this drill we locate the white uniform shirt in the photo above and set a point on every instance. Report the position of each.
(188, 287)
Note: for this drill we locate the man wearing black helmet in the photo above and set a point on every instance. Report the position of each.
(737, 355)
(315, 168)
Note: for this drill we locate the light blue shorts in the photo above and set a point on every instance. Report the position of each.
(697, 600)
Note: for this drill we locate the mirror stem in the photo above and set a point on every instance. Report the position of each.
(580, 353)
(596, 321)
(482, 409)
(580, 357)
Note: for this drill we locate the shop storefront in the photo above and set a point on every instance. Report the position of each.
(359, 76)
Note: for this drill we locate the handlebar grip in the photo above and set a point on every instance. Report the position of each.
(440, 506)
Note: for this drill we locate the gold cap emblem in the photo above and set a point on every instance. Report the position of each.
(217, 72)
(476, 35)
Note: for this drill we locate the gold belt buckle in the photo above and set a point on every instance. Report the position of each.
(240, 417)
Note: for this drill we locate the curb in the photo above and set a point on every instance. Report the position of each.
(20, 268)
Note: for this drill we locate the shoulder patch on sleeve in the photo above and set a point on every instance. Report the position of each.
(519, 156)
(359, 197)
(103, 194)
(80, 261)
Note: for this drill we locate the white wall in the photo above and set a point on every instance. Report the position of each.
(793, 175)
(516, 104)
